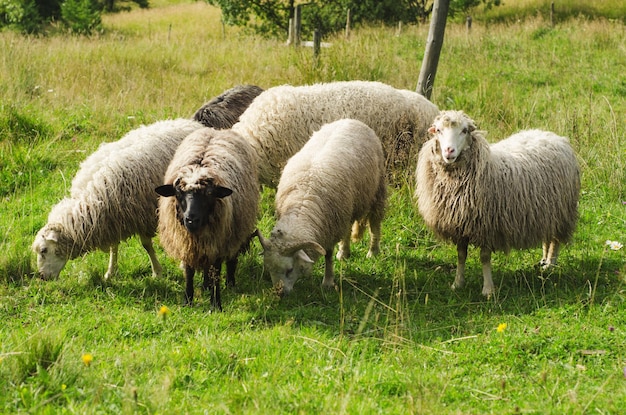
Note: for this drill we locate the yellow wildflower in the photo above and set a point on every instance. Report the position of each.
(164, 311)
(501, 327)
(87, 359)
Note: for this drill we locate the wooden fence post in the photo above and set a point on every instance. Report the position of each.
(297, 17)
(317, 43)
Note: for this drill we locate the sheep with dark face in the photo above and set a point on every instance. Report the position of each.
(518, 193)
(112, 194)
(337, 178)
(224, 110)
(208, 208)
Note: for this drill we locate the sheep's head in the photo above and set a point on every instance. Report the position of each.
(196, 196)
(50, 262)
(452, 131)
(286, 263)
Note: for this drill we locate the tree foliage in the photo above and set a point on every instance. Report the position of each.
(77, 16)
(271, 17)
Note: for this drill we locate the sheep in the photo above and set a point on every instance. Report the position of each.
(517, 193)
(223, 111)
(337, 178)
(111, 199)
(91, 219)
(281, 119)
(208, 208)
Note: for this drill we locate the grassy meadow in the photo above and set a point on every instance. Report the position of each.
(393, 338)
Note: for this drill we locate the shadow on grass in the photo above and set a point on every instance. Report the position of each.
(416, 294)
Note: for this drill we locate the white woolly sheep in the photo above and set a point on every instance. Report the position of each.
(111, 198)
(224, 110)
(281, 119)
(337, 178)
(518, 193)
(209, 206)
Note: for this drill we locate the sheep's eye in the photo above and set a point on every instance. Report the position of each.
(464, 131)
(43, 251)
(438, 131)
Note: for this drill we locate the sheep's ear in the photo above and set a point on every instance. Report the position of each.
(303, 256)
(52, 235)
(432, 129)
(264, 242)
(312, 245)
(220, 192)
(166, 190)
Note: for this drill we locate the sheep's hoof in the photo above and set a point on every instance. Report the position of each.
(488, 292)
(329, 284)
(457, 285)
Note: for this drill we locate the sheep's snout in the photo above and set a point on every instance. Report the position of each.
(196, 207)
(449, 154)
(192, 224)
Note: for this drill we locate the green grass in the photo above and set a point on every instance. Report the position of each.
(393, 338)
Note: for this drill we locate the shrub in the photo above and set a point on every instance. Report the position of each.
(81, 16)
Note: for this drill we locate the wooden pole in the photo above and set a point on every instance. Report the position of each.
(348, 24)
(297, 24)
(317, 43)
(433, 47)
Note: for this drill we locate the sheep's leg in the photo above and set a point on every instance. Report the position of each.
(485, 259)
(211, 283)
(189, 274)
(231, 267)
(551, 253)
(375, 219)
(344, 248)
(112, 269)
(357, 231)
(329, 274)
(461, 251)
(375, 230)
(146, 242)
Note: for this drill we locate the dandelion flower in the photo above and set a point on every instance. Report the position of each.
(87, 359)
(614, 245)
(164, 311)
(501, 327)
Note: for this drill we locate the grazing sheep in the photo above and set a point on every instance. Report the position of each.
(281, 119)
(111, 198)
(517, 193)
(223, 111)
(337, 178)
(214, 209)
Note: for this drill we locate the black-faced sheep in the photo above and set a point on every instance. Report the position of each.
(111, 198)
(101, 212)
(224, 110)
(518, 193)
(337, 178)
(209, 206)
(281, 119)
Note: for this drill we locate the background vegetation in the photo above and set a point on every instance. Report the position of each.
(393, 338)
